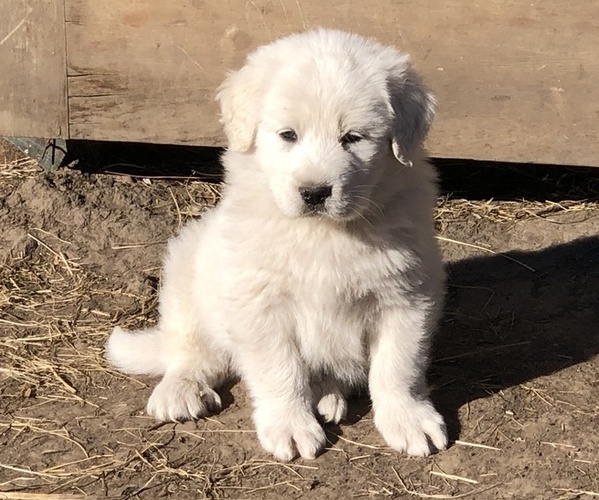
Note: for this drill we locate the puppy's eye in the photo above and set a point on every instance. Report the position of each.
(350, 138)
(288, 135)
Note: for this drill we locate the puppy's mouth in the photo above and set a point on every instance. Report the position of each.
(330, 210)
(314, 211)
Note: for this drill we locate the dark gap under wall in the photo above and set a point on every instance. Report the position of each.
(470, 179)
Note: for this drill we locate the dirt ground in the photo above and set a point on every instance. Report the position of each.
(515, 370)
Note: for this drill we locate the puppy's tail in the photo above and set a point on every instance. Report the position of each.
(136, 353)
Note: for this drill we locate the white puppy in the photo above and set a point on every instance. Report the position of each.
(318, 271)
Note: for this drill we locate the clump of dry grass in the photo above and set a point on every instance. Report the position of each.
(451, 210)
(45, 309)
(185, 198)
(20, 168)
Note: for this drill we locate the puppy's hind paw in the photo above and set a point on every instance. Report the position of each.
(332, 407)
(178, 399)
(329, 400)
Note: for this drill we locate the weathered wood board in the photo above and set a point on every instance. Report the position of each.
(33, 68)
(516, 81)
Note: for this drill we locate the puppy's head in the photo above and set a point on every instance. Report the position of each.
(319, 111)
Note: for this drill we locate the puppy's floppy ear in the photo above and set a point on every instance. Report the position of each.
(414, 109)
(238, 97)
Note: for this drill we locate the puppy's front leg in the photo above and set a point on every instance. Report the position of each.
(403, 413)
(271, 365)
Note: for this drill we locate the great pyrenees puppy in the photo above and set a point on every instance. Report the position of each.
(318, 272)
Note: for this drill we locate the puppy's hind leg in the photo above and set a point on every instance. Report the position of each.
(190, 370)
(193, 371)
(179, 348)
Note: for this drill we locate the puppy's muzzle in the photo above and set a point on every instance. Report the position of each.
(315, 197)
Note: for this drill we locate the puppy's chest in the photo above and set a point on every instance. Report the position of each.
(332, 308)
(322, 268)
(331, 335)
(341, 273)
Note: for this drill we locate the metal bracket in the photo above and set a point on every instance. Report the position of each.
(49, 153)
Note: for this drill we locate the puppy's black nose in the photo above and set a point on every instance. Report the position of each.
(315, 196)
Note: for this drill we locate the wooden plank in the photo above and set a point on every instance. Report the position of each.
(516, 81)
(33, 69)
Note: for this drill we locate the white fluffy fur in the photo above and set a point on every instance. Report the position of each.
(307, 304)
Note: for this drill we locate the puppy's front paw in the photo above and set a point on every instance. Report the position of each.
(287, 434)
(177, 399)
(414, 427)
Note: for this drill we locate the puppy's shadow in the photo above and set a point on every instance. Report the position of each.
(506, 324)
